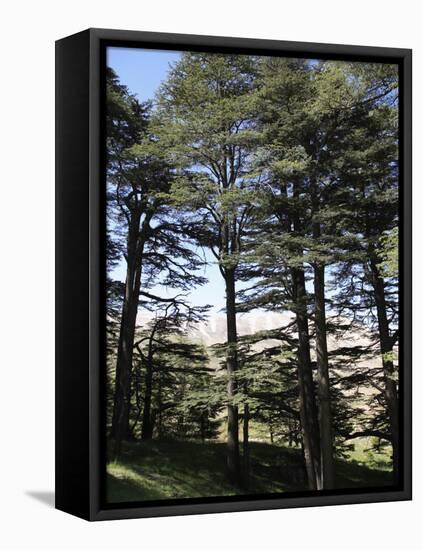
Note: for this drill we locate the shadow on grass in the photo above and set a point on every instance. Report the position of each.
(354, 475)
(168, 469)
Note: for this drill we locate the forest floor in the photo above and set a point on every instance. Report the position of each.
(168, 469)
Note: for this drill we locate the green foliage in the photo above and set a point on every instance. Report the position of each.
(205, 124)
(390, 253)
(278, 167)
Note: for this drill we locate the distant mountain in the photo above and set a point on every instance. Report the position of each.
(214, 330)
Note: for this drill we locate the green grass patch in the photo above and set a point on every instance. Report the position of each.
(364, 454)
(184, 469)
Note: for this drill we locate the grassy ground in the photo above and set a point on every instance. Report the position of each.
(364, 454)
(175, 469)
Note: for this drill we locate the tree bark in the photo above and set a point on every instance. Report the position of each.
(202, 426)
(308, 410)
(120, 422)
(233, 458)
(307, 404)
(159, 429)
(146, 417)
(386, 345)
(246, 443)
(325, 416)
(323, 377)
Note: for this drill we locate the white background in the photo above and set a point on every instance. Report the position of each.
(27, 36)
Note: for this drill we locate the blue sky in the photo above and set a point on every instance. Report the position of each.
(142, 71)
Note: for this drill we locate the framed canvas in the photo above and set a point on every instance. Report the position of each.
(233, 274)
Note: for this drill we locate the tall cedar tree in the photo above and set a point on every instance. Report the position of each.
(368, 174)
(309, 128)
(146, 232)
(205, 113)
(294, 130)
(307, 112)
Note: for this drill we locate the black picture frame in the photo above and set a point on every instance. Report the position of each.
(80, 206)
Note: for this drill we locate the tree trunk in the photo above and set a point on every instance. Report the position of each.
(154, 414)
(290, 436)
(386, 344)
(325, 416)
(233, 459)
(147, 427)
(323, 379)
(160, 408)
(202, 426)
(120, 422)
(246, 443)
(308, 410)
